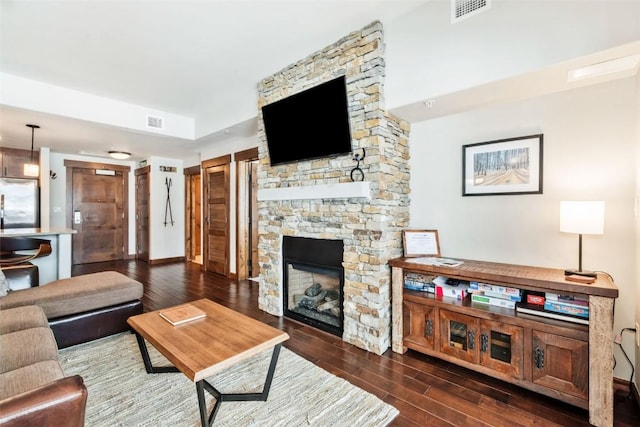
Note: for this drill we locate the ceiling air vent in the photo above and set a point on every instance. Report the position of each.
(155, 122)
(463, 9)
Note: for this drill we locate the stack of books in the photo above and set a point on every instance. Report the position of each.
(419, 282)
(452, 288)
(496, 295)
(567, 304)
(557, 306)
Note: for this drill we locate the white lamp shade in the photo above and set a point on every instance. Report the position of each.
(582, 217)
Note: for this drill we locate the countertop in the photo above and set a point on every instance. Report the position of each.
(26, 232)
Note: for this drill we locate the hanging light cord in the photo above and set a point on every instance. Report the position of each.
(33, 128)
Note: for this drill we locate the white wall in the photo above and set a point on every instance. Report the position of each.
(637, 213)
(166, 239)
(427, 56)
(589, 141)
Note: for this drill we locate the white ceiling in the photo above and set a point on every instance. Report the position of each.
(200, 60)
(189, 58)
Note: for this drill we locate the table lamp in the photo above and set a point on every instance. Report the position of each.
(581, 218)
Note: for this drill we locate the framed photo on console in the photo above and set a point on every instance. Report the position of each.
(417, 243)
(505, 166)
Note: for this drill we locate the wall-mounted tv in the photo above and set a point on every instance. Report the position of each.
(309, 125)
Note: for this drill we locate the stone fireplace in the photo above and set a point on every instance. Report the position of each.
(316, 199)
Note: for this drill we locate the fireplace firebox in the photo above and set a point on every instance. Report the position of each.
(313, 282)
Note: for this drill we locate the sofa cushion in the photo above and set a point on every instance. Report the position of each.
(29, 377)
(19, 318)
(77, 294)
(22, 348)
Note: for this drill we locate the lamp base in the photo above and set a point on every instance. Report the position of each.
(581, 273)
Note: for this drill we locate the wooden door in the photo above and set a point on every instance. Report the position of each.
(502, 347)
(216, 229)
(98, 215)
(560, 363)
(247, 214)
(193, 214)
(253, 220)
(459, 335)
(419, 325)
(143, 237)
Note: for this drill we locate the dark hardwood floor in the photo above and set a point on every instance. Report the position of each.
(426, 391)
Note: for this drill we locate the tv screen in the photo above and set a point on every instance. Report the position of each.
(309, 125)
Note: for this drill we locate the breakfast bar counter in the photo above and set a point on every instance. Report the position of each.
(58, 264)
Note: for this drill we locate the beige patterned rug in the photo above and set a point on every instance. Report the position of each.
(121, 393)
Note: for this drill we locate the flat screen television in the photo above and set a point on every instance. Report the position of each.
(309, 125)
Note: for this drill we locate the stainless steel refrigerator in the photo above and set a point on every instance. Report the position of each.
(19, 203)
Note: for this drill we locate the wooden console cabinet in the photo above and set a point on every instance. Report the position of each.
(564, 360)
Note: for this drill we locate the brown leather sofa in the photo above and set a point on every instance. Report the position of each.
(36, 322)
(33, 388)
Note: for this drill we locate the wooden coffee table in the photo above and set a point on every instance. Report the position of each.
(203, 347)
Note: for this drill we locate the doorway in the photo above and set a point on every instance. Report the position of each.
(247, 265)
(216, 215)
(193, 214)
(97, 209)
(143, 236)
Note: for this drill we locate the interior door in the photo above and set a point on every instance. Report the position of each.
(193, 214)
(143, 238)
(98, 215)
(217, 217)
(253, 234)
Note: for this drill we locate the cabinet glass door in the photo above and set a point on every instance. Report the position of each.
(459, 335)
(501, 347)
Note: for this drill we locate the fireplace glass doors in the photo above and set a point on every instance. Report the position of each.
(313, 282)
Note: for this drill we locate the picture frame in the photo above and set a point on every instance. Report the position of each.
(418, 243)
(503, 167)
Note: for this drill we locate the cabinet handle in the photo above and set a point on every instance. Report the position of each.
(428, 328)
(539, 357)
(484, 342)
(472, 339)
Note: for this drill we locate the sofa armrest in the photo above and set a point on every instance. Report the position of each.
(61, 402)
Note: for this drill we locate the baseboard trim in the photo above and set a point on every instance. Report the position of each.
(619, 383)
(166, 260)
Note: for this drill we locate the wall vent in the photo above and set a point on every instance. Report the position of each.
(463, 9)
(155, 122)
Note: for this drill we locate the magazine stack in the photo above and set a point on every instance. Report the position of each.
(557, 306)
(496, 295)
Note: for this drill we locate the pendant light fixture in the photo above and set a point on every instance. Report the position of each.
(32, 169)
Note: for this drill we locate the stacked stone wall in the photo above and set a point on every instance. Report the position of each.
(370, 228)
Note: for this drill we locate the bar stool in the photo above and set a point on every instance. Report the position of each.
(16, 265)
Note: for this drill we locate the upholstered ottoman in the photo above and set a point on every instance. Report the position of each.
(83, 308)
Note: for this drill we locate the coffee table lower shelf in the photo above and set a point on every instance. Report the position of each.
(206, 419)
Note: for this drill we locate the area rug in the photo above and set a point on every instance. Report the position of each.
(121, 393)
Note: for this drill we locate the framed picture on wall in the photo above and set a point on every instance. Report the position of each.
(505, 166)
(419, 243)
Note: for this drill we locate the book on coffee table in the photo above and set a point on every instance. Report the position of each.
(182, 314)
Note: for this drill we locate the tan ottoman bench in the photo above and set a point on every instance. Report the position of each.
(83, 308)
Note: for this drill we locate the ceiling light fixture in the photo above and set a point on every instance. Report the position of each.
(119, 155)
(32, 168)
